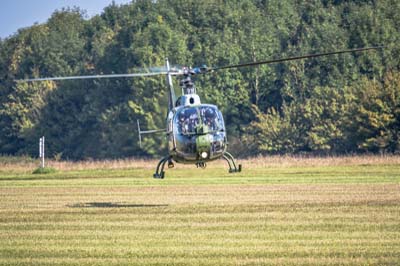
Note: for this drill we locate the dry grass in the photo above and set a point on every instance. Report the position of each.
(261, 161)
(298, 161)
(282, 212)
(201, 225)
(29, 166)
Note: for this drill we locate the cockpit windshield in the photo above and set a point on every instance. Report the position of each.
(199, 119)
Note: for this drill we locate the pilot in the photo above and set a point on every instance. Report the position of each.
(183, 122)
(210, 119)
(193, 121)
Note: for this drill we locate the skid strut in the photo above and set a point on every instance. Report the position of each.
(233, 168)
(160, 167)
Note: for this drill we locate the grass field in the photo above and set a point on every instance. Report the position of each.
(278, 211)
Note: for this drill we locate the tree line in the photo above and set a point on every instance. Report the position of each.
(347, 103)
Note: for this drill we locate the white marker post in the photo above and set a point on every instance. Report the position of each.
(41, 150)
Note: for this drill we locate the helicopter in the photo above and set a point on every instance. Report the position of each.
(195, 131)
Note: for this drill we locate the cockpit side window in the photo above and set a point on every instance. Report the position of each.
(211, 118)
(221, 121)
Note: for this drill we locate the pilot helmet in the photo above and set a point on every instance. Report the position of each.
(210, 113)
(182, 116)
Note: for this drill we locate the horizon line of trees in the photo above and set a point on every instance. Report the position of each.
(339, 104)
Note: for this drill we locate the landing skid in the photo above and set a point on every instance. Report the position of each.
(160, 173)
(161, 165)
(233, 168)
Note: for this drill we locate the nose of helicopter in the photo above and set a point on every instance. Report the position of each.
(203, 146)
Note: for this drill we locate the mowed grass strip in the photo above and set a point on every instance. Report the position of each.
(313, 215)
(215, 176)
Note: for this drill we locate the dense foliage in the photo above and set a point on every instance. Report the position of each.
(335, 104)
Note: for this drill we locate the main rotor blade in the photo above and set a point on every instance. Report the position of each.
(296, 58)
(96, 76)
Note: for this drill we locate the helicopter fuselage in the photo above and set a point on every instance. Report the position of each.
(196, 133)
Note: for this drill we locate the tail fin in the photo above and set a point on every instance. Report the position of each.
(171, 92)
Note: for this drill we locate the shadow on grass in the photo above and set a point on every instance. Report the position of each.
(114, 205)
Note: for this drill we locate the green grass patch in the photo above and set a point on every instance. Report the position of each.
(43, 171)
